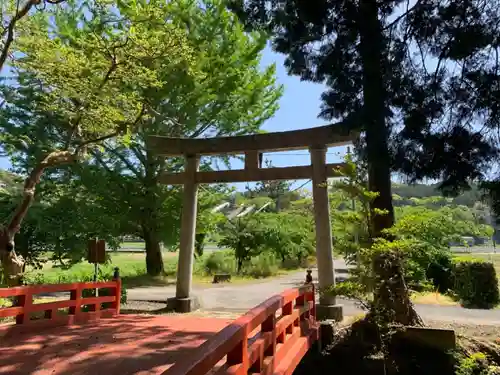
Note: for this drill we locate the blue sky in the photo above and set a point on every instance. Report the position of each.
(299, 109)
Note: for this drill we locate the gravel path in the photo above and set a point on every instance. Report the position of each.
(240, 298)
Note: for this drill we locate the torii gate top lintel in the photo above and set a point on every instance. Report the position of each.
(317, 137)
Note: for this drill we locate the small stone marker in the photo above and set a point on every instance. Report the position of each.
(221, 277)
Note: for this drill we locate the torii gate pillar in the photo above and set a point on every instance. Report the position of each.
(183, 300)
(327, 307)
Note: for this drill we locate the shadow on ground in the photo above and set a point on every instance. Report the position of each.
(159, 309)
(126, 345)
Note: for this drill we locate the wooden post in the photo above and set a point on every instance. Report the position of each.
(252, 160)
(269, 325)
(188, 229)
(76, 295)
(327, 307)
(25, 301)
(118, 290)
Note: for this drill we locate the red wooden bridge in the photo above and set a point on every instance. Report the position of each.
(88, 335)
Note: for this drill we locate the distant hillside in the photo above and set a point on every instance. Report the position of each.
(468, 198)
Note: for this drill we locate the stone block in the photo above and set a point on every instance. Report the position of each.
(221, 277)
(329, 312)
(183, 305)
(442, 339)
(326, 333)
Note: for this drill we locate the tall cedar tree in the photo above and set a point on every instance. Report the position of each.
(418, 78)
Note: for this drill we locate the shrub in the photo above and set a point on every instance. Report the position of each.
(476, 283)
(440, 271)
(476, 363)
(264, 265)
(293, 264)
(219, 262)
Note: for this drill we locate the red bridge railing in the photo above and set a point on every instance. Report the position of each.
(80, 309)
(270, 339)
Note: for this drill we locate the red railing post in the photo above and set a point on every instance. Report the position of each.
(269, 325)
(288, 310)
(118, 290)
(299, 303)
(25, 302)
(76, 295)
(313, 299)
(239, 355)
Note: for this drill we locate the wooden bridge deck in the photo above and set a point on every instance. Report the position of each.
(130, 344)
(93, 338)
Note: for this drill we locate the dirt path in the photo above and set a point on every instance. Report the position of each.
(240, 298)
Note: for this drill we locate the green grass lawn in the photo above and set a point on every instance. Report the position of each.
(132, 271)
(133, 245)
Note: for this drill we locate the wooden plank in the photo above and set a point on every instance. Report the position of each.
(10, 311)
(242, 175)
(51, 305)
(292, 356)
(98, 284)
(256, 350)
(252, 160)
(285, 321)
(329, 135)
(211, 352)
(94, 300)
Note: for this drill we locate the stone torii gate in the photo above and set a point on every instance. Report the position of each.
(317, 140)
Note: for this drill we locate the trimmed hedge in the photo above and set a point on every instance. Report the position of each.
(476, 284)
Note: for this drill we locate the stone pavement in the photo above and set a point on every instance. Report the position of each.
(240, 298)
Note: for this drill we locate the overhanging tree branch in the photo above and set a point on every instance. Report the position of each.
(20, 13)
(54, 158)
(408, 11)
(124, 160)
(10, 29)
(76, 123)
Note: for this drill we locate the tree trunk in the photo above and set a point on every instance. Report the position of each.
(13, 264)
(391, 297)
(374, 115)
(199, 244)
(391, 302)
(154, 259)
(12, 267)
